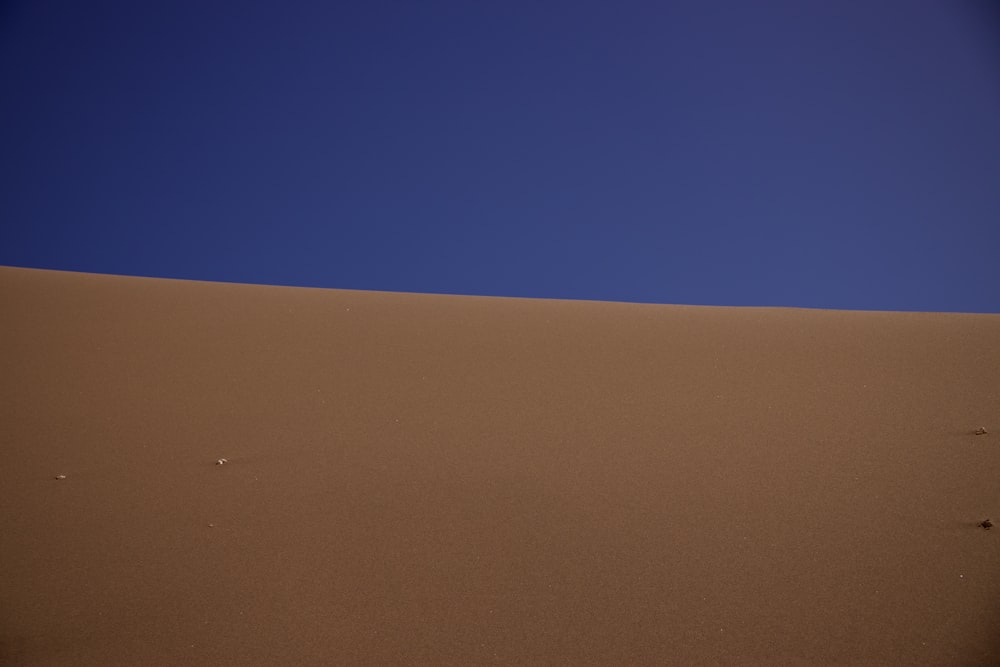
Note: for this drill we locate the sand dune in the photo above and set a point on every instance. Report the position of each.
(442, 480)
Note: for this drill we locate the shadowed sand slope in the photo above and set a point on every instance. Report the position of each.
(443, 480)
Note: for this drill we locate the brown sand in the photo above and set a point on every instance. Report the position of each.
(442, 480)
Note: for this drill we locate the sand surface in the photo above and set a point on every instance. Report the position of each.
(443, 480)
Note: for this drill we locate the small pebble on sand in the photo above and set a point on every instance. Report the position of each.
(980, 431)
(60, 476)
(221, 462)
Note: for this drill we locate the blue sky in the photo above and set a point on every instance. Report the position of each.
(775, 152)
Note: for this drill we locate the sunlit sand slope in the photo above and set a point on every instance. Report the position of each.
(442, 480)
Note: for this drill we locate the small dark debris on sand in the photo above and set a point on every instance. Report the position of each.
(221, 462)
(980, 431)
(60, 476)
(986, 525)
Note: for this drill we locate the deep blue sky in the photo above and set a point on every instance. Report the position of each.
(768, 152)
